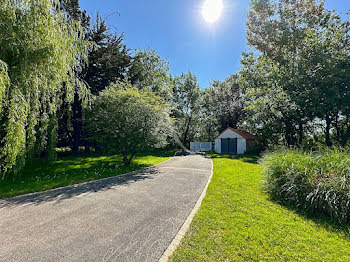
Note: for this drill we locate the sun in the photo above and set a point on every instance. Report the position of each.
(212, 10)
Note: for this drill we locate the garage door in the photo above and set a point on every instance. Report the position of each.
(224, 146)
(229, 146)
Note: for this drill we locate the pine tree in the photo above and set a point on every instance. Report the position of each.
(108, 62)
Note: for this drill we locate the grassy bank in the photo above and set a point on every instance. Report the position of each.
(238, 222)
(318, 181)
(66, 171)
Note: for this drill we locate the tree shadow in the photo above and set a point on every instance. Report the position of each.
(41, 174)
(322, 220)
(101, 161)
(191, 153)
(158, 153)
(63, 193)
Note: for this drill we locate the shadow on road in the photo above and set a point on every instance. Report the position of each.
(63, 193)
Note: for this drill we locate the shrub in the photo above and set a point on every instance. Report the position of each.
(127, 120)
(314, 181)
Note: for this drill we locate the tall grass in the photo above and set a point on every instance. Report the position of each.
(317, 181)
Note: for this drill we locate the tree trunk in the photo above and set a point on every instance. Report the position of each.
(77, 124)
(328, 128)
(288, 133)
(345, 137)
(187, 128)
(209, 133)
(87, 147)
(301, 133)
(288, 139)
(336, 125)
(126, 160)
(98, 149)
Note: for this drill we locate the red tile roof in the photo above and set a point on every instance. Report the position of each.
(242, 133)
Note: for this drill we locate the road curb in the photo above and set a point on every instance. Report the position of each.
(184, 228)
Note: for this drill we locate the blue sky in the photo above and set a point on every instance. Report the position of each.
(177, 31)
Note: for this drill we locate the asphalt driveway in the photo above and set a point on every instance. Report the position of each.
(128, 218)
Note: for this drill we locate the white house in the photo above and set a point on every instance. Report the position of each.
(234, 141)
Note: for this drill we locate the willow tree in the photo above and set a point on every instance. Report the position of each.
(4, 81)
(41, 50)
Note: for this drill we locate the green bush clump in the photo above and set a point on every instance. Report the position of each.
(317, 181)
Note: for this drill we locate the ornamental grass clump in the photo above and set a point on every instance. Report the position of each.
(316, 181)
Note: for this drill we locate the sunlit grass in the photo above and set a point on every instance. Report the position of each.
(238, 222)
(43, 175)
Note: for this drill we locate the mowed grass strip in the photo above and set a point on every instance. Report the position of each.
(238, 222)
(66, 171)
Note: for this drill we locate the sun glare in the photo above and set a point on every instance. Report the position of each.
(211, 10)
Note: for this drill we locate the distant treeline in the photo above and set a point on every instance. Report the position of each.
(55, 61)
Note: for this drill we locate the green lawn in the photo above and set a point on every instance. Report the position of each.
(71, 170)
(238, 222)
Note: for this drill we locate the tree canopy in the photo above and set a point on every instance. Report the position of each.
(292, 89)
(227, 102)
(109, 61)
(300, 74)
(150, 71)
(186, 103)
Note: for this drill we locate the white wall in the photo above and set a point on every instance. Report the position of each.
(241, 146)
(218, 146)
(201, 146)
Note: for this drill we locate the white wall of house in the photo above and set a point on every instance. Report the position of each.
(241, 146)
(241, 142)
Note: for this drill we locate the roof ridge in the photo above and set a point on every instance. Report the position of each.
(240, 132)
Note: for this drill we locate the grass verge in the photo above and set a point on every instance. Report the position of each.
(66, 171)
(238, 222)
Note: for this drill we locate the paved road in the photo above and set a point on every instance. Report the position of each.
(126, 218)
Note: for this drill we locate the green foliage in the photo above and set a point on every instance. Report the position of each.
(303, 62)
(109, 61)
(221, 106)
(238, 222)
(272, 115)
(149, 71)
(42, 49)
(4, 82)
(208, 120)
(315, 181)
(72, 8)
(186, 104)
(127, 120)
(227, 103)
